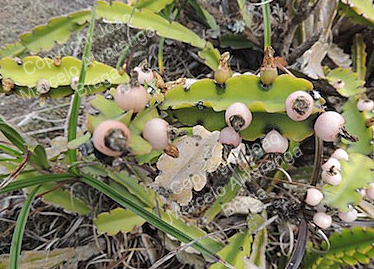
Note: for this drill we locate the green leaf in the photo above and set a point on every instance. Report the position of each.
(363, 8)
(136, 188)
(260, 125)
(359, 56)
(350, 84)
(75, 105)
(235, 42)
(58, 30)
(138, 145)
(74, 144)
(145, 214)
(355, 125)
(108, 110)
(64, 199)
(243, 11)
(237, 249)
(258, 257)
(34, 68)
(348, 247)
(35, 180)
(12, 50)
(39, 157)
(244, 88)
(230, 190)
(211, 56)
(190, 230)
(117, 220)
(13, 136)
(154, 5)
(356, 174)
(142, 19)
(15, 248)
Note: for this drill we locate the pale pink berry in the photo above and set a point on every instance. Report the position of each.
(228, 136)
(328, 125)
(156, 133)
(144, 76)
(74, 83)
(129, 97)
(338, 84)
(238, 116)
(332, 178)
(322, 220)
(313, 197)
(349, 216)
(362, 192)
(331, 164)
(111, 137)
(274, 142)
(370, 191)
(299, 105)
(365, 105)
(340, 154)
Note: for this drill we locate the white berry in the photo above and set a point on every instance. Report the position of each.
(328, 125)
(313, 197)
(274, 142)
(340, 154)
(331, 164)
(322, 220)
(238, 116)
(333, 178)
(349, 216)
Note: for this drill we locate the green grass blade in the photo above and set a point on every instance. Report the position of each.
(12, 135)
(15, 249)
(33, 181)
(142, 212)
(267, 24)
(74, 109)
(10, 151)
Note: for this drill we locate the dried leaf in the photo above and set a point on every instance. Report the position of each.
(198, 154)
(338, 56)
(312, 59)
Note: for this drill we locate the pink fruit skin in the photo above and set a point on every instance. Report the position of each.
(322, 220)
(101, 131)
(230, 137)
(328, 125)
(365, 105)
(313, 197)
(156, 133)
(334, 179)
(241, 110)
(340, 154)
(131, 98)
(144, 77)
(370, 191)
(274, 142)
(348, 216)
(331, 163)
(291, 113)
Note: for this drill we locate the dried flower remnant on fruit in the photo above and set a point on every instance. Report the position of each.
(238, 116)
(111, 138)
(198, 155)
(7, 84)
(299, 105)
(268, 70)
(144, 73)
(365, 105)
(223, 71)
(42, 86)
